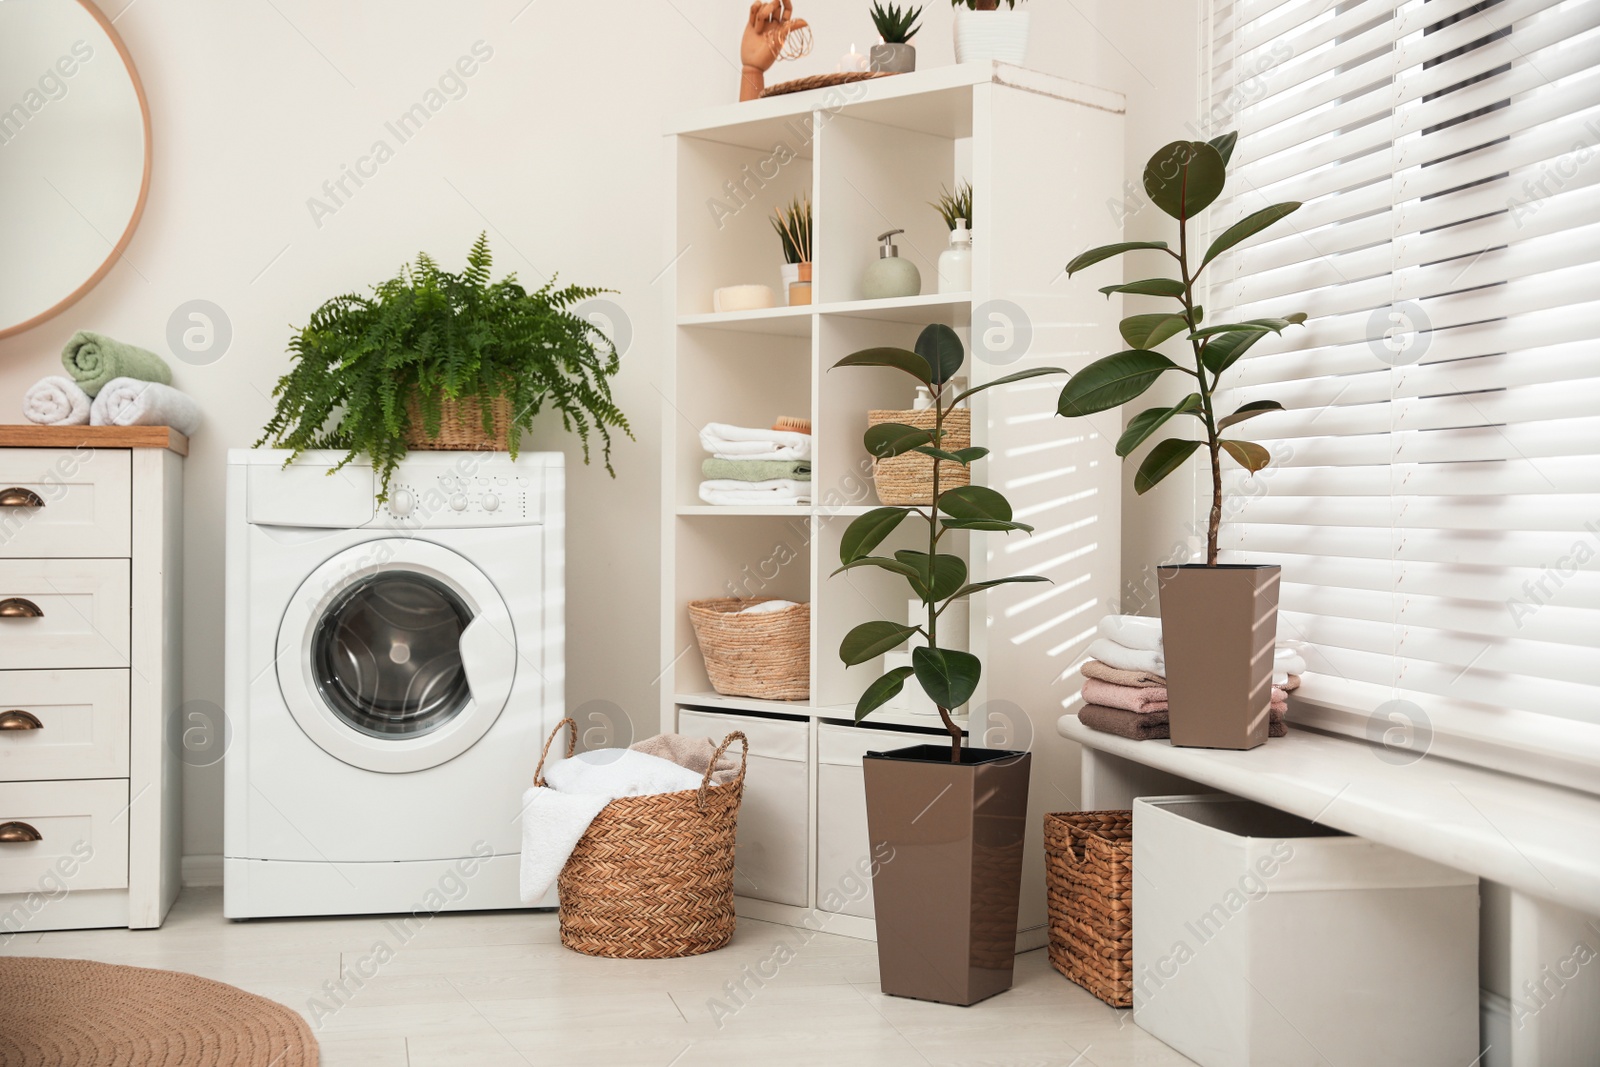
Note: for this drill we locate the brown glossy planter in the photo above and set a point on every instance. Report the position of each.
(1218, 629)
(949, 841)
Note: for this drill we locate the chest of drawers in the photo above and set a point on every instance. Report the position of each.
(90, 637)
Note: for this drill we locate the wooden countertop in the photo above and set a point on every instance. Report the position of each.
(28, 435)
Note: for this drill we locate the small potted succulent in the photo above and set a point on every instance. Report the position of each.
(895, 54)
(990, 30)
(952, 816)
(438, 360)
(956, 205)
(1219, 621)
(792, 224)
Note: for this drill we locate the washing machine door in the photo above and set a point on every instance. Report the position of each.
(396, 655)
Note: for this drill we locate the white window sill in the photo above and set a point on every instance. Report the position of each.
(1541, 839)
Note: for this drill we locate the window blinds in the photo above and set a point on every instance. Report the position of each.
(1435, 495)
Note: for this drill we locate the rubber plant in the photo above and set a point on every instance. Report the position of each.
(1182, 179)
(948, 676)
(432, 335)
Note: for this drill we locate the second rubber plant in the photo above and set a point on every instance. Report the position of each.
(938, 578)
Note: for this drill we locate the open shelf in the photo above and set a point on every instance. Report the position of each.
(691, 511)
(780, 321)
(835, 713)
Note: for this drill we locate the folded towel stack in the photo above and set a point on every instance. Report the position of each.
(755, 466)
(1125, 685)
(110, 383)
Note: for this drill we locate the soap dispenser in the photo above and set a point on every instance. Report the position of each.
(890, 276)
(955, 265)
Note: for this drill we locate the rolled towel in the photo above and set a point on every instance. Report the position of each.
(1286, 661)
(726, 491)
(745, 442)
(756, 470)
(56, 401)
(1093, 668)
(1153, 726)
(131, 402)
(1290, 682)
(1124, 658)
(1132, 631)
(95, 360)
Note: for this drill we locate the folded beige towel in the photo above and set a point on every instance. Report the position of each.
(1095, 669)
(1149, 726)
(692, 752)
(1148, 698)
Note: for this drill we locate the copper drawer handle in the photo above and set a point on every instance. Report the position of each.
(17, 608)
(18, 833)
(20, 498)
(19, 720)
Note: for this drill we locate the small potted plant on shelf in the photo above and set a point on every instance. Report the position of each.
(954, 206)
(895, 55)
(437, 360)
(793, 227)
(1219, 621)
(986, 30)
(952, 817)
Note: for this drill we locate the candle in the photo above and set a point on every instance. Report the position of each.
(853, 61)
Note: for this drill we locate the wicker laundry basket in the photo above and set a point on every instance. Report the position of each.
(765, 655)
(460, 426)
(1089, 881)
(907, 479)
(652, 877)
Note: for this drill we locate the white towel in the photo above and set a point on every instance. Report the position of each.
(56, 400)
(1132, 631)
(131, 402)
(555, 816)
(1286, 661)
(744, 442)
(774, 491)
(1124, 658)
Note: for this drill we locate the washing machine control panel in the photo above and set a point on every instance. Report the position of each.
(470, 491)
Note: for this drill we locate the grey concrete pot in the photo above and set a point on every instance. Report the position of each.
(893, 58)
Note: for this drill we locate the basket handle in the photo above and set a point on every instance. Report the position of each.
(744, 761)
(572, 744)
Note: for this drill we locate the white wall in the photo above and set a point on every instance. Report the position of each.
(554, 148)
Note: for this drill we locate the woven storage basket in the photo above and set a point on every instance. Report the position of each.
(908, 478)
(1089, 881)
(652, 877)
(460, 426)
(763, 655)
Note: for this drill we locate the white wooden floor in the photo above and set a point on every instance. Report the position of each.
(498, 988)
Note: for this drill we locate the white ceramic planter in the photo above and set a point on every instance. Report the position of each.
(791, 274)
(986, 35)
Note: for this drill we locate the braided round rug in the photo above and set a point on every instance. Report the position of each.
(78, 1013)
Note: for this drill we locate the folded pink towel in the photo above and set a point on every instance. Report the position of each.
(1150, 698)
(1093, 668)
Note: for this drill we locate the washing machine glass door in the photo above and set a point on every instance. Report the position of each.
(396, 655)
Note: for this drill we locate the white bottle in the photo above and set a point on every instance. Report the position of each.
(955, 265)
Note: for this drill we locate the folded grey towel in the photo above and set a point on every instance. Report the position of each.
(756, 470)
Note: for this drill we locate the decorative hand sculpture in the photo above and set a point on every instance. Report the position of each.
(765, 35)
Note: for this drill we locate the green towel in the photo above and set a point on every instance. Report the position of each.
(93, 359)
(757, 470)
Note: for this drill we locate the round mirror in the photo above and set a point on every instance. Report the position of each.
(74, 155)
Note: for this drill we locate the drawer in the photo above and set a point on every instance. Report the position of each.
(82, 831)
(83, 613)
(87, 502)
(63, 724)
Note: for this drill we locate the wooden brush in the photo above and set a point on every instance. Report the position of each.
(790, 424)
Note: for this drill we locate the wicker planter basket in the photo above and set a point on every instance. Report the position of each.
(460, 426)
(1089, 881)
(908, 479)
(652, 877)
(763, 655)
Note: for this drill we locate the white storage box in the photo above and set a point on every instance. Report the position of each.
(1264, 940)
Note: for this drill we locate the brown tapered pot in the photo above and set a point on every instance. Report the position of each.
(1218, 628)
(948, 837)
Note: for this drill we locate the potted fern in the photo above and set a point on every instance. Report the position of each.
(792, 224)
(952, 817)
(435, 359)
(1219, 621)
(985, 30)
(894, 54)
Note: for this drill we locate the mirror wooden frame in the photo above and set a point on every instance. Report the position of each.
(144, 183)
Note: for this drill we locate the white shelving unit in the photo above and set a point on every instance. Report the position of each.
(1045, 157)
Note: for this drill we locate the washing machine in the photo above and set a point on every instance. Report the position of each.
(391, 673)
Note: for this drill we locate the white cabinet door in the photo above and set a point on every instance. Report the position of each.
(65, 503)
(770, 858)
(64, 613)
(63, 725)
(844, 855)
(74, 831)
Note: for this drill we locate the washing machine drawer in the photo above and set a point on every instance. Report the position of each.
(63, 613)
(63, 725)
(64, 502)
(63, 834)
